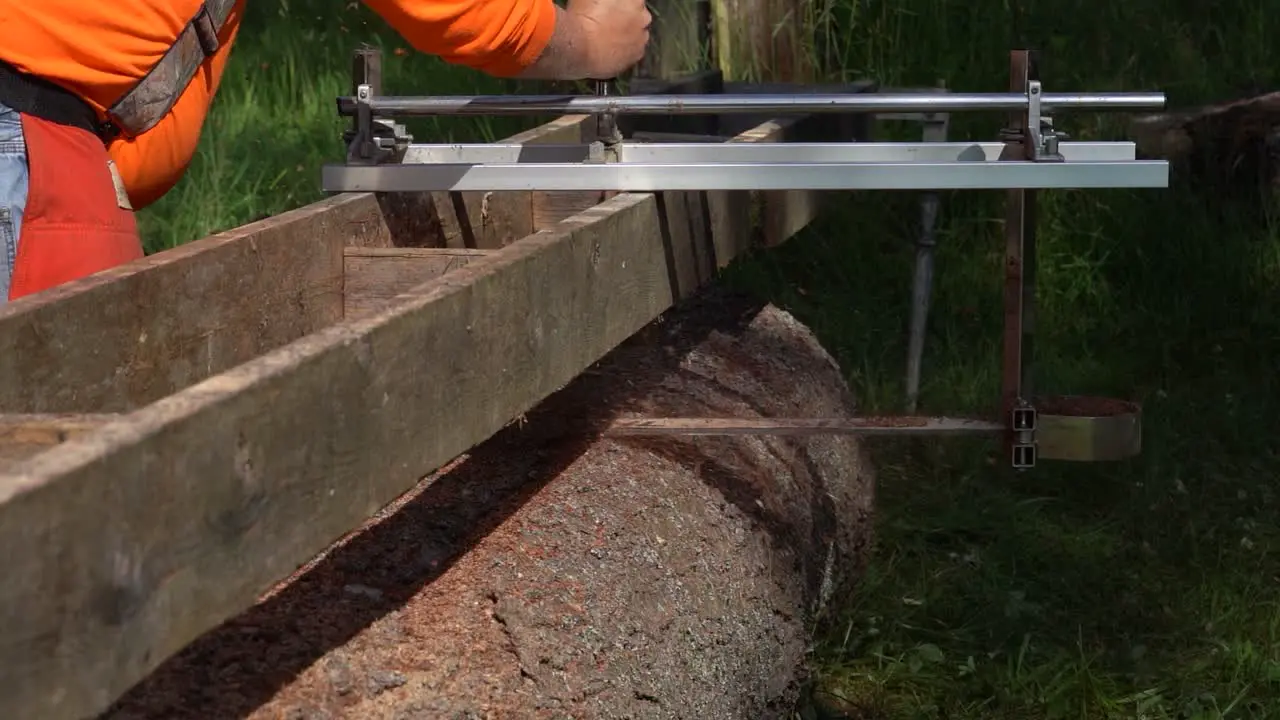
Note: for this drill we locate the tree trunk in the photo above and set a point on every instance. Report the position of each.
(1232, 143)
(554, 573)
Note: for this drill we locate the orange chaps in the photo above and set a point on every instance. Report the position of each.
(72, 224)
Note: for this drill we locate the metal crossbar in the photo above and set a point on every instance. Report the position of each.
(806, 103)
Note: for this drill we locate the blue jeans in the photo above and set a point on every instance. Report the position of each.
(13, 192)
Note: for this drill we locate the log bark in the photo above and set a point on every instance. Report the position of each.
(554, 573)
(1236, 142)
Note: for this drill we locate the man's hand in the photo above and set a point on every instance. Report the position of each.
(617, 32)
(594, 39)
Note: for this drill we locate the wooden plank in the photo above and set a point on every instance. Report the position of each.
(154, 529)
(784, 213)
(727, 217)
(23, 436)
(490, 220)
(549, 208)
(767, 217)
(375, 276)
(703, 231)
(129, 336)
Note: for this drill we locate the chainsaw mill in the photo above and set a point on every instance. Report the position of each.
(1024, 156)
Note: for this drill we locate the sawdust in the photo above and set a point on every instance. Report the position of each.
(553, 575)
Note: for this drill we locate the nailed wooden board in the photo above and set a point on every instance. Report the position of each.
(489, 220)
(132, 335)
(142, 529)
(22, 436)
(127, 337)
(373, 277)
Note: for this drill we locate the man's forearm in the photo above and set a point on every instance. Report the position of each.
(594, 39)
(565, 57)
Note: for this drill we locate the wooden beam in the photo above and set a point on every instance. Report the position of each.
(129, 336)
(141, 536)
(548, 208)
(375, 276)
(132, 335)
(783, 213)
(490, 220)
(23, 436)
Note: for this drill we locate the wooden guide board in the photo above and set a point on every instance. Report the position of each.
(230, 408)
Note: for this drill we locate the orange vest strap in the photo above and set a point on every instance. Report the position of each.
(147, 101)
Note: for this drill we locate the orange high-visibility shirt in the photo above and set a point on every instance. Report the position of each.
(99, 49)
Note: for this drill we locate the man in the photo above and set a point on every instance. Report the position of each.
(102, 103)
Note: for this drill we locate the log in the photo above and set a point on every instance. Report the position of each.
(557, 573)
(1231, 142)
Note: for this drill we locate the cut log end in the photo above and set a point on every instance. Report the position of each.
(556, 574)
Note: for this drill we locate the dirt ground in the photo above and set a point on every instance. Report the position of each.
(556, 574)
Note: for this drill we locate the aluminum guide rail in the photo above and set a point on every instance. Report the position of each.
(647, 167)
(1025, 154)
(655, 177)
(410, 106)
(793, 152)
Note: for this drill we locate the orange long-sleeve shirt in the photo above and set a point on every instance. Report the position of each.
(99, 49)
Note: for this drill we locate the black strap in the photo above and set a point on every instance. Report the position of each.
(41, 98)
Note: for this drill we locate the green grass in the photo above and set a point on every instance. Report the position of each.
(275, 121)
(1144, 589)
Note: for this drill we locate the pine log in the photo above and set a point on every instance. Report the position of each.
(555, 573)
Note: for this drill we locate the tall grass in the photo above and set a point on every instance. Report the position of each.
(1143, 589)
